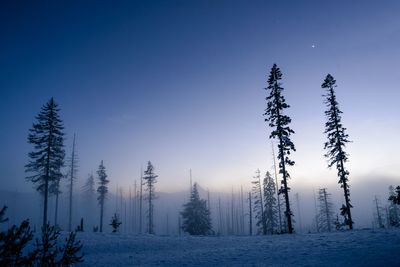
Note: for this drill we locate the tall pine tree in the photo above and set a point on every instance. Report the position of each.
(47, 159)
(276, 105)
(102, 190)
(149, 180)
(325, 215)
(337, 139)
(196, 215)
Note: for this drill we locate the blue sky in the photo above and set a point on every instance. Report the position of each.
(181, 83)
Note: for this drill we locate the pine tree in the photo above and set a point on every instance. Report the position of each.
(12, 245)
(102, 190)
(393, 209)
(395, 197)
(70, 250)
(196, 215)
(259, 204)
(73, 165)
(46, 160)
(325, 215)
(270, 204)
(3, 219)
(89, 196)
(149, 180)
(337, 139)
(276, 105)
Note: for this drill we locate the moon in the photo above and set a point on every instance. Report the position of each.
(312, 46)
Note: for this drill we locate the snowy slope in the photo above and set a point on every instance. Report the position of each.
(355, 248)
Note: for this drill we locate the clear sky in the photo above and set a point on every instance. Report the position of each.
(181, 83)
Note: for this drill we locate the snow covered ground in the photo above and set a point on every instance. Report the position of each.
(350, 248)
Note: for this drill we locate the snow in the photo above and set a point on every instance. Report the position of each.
(349, 248)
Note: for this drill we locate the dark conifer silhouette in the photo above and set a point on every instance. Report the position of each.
(149, 179)
(276, 105)
(196, 215)
(102, 189)
(115, 223)
(337, 139)
(3, 214)
(46, 160)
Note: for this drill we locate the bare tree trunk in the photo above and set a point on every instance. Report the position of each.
(72, 170)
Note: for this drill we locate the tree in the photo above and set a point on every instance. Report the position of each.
(89, 195)
(55, 190)
(379, 210)
(337, 140)
(270, 205)
(325, 211)
(115, 223)
(102, 190)
(393, 209)
(73, 164)
(259, 204)
(196, 215)
(149, 180)
(3, 214)
(276, 105)
(395, 197)
(46, 160)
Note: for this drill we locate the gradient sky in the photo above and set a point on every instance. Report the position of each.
(181, 83)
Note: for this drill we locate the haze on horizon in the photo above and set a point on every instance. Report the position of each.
(181, 83)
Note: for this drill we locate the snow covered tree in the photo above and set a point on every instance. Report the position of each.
(46, 160)
(115, 223)
(196, 215)
(276, 105)
(72, 172)
(259, 204)
(337, 139)
(149, 180)
(325, 215)
(393, 209)
(395, 197)
(102, 189)
(270, 205)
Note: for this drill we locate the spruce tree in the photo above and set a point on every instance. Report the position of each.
(102, 189)
(395, 197)
(196, 215)
(259, 204)
(270, 204)
(149, 179)
(393, 209)
(115, 223)
(337, 139)
(279, 122)
(47, 158)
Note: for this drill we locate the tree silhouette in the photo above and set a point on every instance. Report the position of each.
(276, 105)
(150, 179)
(46, 160)
(196, 215)
(337, 139)
(102, 190)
